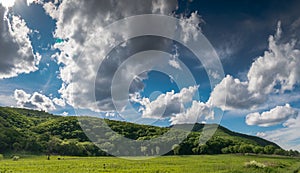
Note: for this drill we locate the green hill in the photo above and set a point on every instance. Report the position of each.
(38, 132)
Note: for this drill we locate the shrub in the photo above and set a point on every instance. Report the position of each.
(225, 150)
(254, 164)
(15, 158)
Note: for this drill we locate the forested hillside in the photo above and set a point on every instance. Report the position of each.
(38, 132)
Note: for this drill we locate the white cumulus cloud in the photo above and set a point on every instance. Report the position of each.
(287, 137)
(277, 115)
(273, 73)
(35, 101)
(81, 26)
(279, 66)
(174, 59)
(166, 105)
(59, 102)
(198, 112)
(190, 27)
(236, 95)
(16, 50)
(29, 2)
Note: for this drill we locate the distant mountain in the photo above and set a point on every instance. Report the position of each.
(224, 132)
(38, 132)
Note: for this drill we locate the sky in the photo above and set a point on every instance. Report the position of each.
(94, 57)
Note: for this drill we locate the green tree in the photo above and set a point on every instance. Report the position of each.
(203, 149)
(269, 149)
(225, 150)
(246, 148)
(230, 149)
(107, 147)
(279, 151)
(258, 150)
(17, 146)
(293, 153)
(54, 145)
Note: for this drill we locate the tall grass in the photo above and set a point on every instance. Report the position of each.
(176, 164)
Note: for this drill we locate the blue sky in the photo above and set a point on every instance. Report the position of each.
(256, 43)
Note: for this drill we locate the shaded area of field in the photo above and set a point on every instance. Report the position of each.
(177, 164)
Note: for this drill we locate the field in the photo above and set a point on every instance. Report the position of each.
(177, 164)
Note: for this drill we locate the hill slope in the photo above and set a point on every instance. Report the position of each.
(39, 132)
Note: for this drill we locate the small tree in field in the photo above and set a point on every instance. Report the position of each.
(157, 150)
(144, 149)
(176, 149)
(15, 158)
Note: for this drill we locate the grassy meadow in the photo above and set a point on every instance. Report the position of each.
(177, 164)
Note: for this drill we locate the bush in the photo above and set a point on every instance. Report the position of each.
(1, 157)
(15, 158)
(254, 164)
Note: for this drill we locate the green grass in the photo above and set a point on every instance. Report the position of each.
(179, 164)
